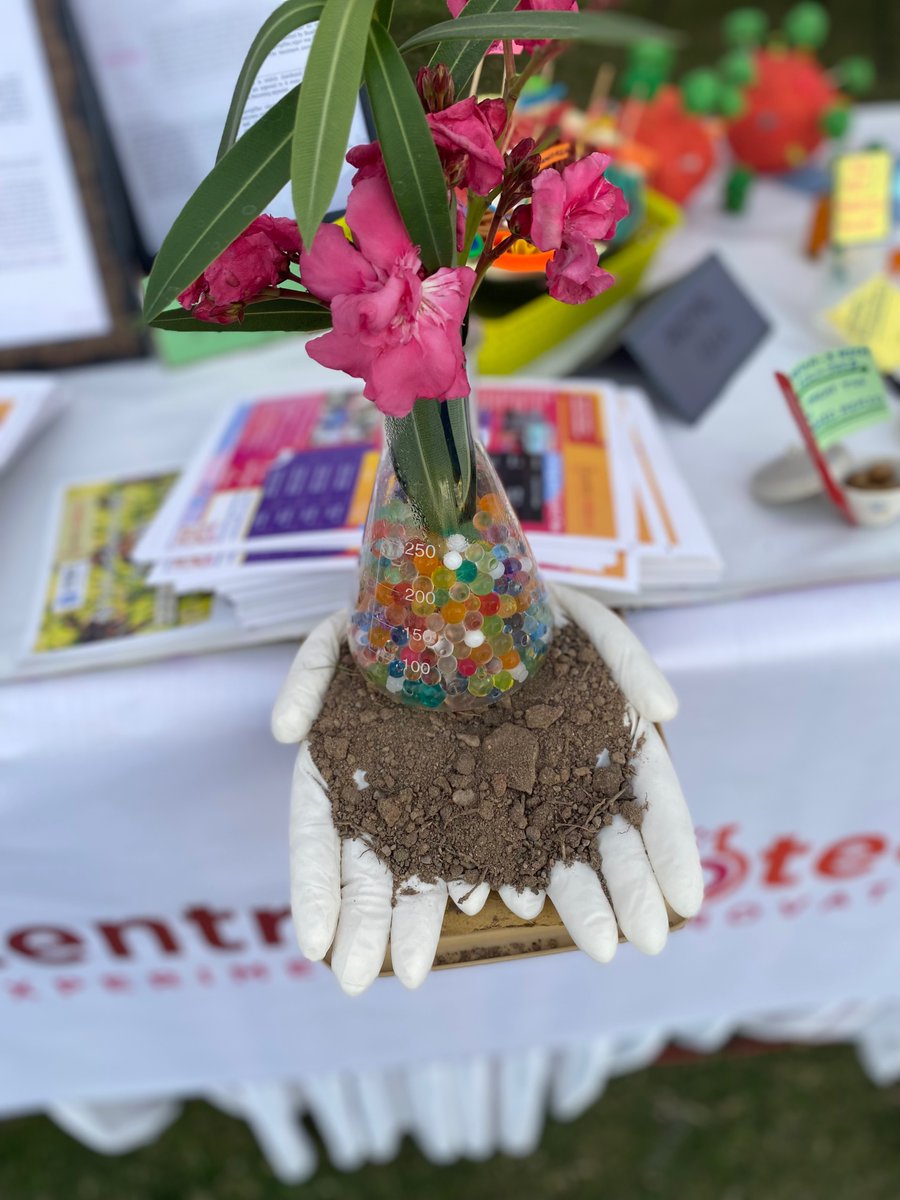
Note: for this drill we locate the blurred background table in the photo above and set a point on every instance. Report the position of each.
(153, 800)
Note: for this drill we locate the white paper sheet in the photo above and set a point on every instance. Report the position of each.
(27, 403)
(50, 286)
(165, 72)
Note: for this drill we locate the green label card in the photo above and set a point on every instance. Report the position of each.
(840, 392)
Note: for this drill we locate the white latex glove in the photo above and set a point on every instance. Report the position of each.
(343, 893)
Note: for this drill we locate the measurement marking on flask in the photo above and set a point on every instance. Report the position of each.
(419, 597)
(420, 550)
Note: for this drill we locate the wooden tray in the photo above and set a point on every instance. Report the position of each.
(495, 935)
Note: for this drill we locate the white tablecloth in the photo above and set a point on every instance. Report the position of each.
(135, 804)
(144, 950)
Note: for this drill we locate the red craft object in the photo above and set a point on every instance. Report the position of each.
(782, 123)
(682, 142)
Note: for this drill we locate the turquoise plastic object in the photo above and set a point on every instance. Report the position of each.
(634, 188)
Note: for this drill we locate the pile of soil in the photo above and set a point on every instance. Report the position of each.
(877, 477)
(497, 795)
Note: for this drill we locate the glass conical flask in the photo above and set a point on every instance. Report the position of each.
(452, 611)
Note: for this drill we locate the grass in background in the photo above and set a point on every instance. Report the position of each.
(801, 1124)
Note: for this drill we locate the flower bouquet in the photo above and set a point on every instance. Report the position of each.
(452, 613)
(392, 284)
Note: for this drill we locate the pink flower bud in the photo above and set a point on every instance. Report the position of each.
(435, 88)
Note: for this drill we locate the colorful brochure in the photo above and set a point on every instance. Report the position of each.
(95, 593)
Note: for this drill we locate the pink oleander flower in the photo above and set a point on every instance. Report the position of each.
(465, 135)
(258, 259)
(578, 199)
(530, 45)
(393, 326)
(569, 211)
(368, 161)
(573, 273)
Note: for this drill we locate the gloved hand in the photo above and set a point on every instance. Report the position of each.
(343, 893)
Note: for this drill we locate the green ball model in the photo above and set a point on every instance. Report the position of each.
(745, 28)
(652, 51)
(836, 121)
(700, 90)
(647, 69)
(856, 75)
(807, 25)
(731, 101)
(737, 67)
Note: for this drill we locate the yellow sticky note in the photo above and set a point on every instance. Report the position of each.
(870, 316)
(861, 198)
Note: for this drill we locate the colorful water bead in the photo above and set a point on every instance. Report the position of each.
(480, 687)
(453, 612)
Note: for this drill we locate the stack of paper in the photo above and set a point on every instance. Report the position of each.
(27, 404)
(257, 539)
(268, 514)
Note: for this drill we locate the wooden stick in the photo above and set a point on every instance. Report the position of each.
(603, 81)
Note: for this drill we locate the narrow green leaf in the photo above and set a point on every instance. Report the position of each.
(284, 20)
(268, 315)
(235, 191)
(410, 155)
(605, 28)
(326, 107)
(435, 461)
(456, 414)
(461, 58)
(384, 11)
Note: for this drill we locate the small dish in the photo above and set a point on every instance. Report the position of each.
(873, 492)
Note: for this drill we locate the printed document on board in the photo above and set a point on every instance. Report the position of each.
(50, 286)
